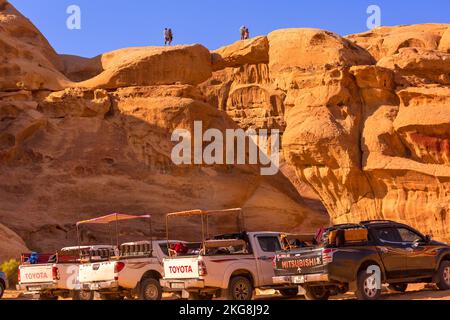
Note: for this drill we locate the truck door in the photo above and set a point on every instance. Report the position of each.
(421, 256)
(393, 252)
(267, 246)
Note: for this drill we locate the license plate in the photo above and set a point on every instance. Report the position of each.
(35, 288)
(299, 279)
(177, 285)
(95, 286)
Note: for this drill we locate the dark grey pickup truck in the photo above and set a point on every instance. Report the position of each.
(361, 257)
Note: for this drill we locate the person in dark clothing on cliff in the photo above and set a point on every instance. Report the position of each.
(168, 36)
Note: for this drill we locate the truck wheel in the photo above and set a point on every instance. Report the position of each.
(443, 276)
(240, 288)
(398, 287)
(366, 287)
(2, 289)
(83, 295)
(317, 293)
(291, 292)
(150, 290)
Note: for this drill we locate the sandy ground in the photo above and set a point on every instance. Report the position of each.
(415, 292)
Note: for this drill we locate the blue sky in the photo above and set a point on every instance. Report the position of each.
(112, 24)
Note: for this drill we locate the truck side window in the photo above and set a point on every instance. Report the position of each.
(269, 243)
(388, 235)
(409, 236)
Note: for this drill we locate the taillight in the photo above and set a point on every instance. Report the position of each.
(119, 267)
(274, 262)
(202, 268)
(18, 275)
(55, 273)
(327, 255)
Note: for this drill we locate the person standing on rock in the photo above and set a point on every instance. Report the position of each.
(247, 34)
(167, 37)
(170, 36)
(243, 32)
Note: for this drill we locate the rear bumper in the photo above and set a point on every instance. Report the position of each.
(100, 285)
(36, 287)
(301, 279)
(186, 284)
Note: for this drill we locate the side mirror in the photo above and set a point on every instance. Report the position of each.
(428, 239)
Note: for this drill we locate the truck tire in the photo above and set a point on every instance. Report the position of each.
(150, 289)
(2, 289)
(83, 295)
(366, 287)
(316, 293)
(443, 276)
(398, 287)
(291, 292)
(240, 288)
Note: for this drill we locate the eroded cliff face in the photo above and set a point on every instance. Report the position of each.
(370, 136)
(365, 125)
(98, 140)
(365, 118)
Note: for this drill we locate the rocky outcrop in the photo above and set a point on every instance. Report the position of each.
(372, 139)
(80, 162)
(152, 66)
(11, 245)
(252, 51)
(103, 144)
(75, 102)
(386, 41)
(28, 61)
(79, 68)
(366, 130)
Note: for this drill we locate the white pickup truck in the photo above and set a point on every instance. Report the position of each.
(134, 273)
(228, 266)
(56, 275)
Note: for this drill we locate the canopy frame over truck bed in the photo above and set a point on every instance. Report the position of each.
(204, 217)
(115, 218)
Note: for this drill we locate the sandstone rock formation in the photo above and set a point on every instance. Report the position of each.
(386, 41)
(252, 51)
(103, 144)
(148, 66)
(11, 245)
(372, 138)
(28, 61)
(364, 119)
